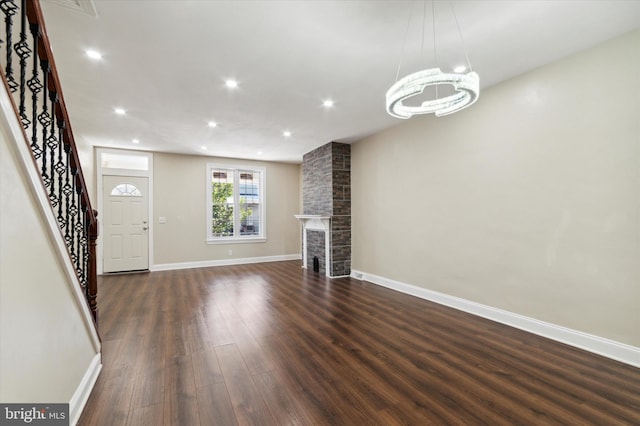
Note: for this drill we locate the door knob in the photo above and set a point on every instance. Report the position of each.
(144, 228)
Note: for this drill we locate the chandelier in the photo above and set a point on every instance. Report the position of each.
(466, 87)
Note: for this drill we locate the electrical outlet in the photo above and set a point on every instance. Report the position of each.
(230, 252)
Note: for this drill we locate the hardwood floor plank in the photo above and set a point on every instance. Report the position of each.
(255, 358)
(148, 388)
(274, 344)
(173, 342)
(196, 335)
(180, 403)
(150, 415)
(206, 368)
(292, 375)
(219, 333)
(114, 405)
(214, 405)
(322, 389)
(283, 405)
(248, 405)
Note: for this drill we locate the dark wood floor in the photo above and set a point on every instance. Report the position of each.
(272, 344)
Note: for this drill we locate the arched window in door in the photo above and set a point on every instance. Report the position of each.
(126, 190)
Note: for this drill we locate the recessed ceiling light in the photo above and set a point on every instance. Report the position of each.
(204, 148)
(212, 124)
(231, 83)
(93, 54)
(328, 103)
(259, 152)
(459, 69)
(286, 133)
(135, 140)
(120, 111)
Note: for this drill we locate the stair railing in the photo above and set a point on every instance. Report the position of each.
(29, 72)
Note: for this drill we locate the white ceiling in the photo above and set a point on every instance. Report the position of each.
(166, 61)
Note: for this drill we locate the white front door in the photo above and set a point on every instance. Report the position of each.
(125, 223)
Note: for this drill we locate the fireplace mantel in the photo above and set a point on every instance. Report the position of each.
(316, 222)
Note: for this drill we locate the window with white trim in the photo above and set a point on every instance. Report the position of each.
(235, 203)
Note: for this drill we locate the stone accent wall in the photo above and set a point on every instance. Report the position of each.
(317, 191)
(340, 245)
(326, 190)
(341, 209)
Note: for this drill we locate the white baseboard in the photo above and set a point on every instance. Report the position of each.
(223, 262)
(601, 346)
(81, 395)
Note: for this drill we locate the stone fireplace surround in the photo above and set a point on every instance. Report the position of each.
(326, 218)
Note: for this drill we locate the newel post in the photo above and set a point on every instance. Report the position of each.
(92, 281)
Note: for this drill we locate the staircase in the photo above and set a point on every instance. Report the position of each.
(29, 74)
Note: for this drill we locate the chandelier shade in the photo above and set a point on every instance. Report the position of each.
(467, 87)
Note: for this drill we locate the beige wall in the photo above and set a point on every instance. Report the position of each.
(180, 195)
(528, 201)
(45, 348)
(86, 154)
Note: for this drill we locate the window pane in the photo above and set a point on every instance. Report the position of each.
(222, 220)
(222, 203)
(126, 190)
(249, 219)
(249, 187)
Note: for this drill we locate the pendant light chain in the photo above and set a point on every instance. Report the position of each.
(424, 19)
(464, 48)
(433, 25)
(433, 21)
(404, 43)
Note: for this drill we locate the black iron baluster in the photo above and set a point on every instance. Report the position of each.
(52, 142)
(35, 86)
(71, 212)
(9, 8)
(85, 248)
(82, 217)
(67, 190)
(23, 51)
(77, 222)
(45, 120)
(59, 168)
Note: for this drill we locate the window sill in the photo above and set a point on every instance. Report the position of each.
(237, 240)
